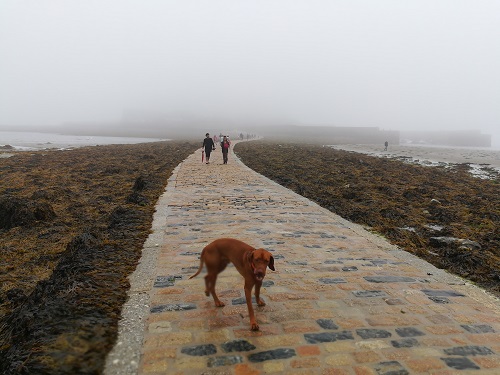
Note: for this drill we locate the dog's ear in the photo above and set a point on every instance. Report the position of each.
(271, 264)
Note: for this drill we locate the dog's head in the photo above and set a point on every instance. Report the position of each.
(260, 259)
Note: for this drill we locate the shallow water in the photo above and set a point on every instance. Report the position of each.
(32, 141)
(479, 159)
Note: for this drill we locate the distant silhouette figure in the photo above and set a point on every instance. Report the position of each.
(386, 144)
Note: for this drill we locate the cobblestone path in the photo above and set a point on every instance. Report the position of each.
(342, 300)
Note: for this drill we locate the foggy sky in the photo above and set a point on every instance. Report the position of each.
(393, 64)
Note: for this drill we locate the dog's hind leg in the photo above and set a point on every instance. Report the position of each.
(210, 280)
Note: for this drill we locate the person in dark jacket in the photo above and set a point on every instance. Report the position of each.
(209, 146)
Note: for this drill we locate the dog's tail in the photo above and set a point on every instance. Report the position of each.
(201, 266)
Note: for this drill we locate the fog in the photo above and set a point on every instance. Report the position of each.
(414, 65)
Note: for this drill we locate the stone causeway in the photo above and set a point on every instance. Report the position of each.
(341, 301)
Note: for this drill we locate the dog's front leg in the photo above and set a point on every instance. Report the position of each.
(248, 296)
(257, 294)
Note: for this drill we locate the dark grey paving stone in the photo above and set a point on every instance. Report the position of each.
(237, 346)
(326, 235)
(334, 280)
(189, 238)
(327, 324)
(349, 268)
(199, 350)
(390, 368)
(164, 281)
(272, 354)
(242, 301)
(224, 361)
(267, 243)
(333, 262)
(441, 300)
(267, 283)
(372, 333)
(191, 253)
(389, 279)
(263, 232)
(173, 307)
(460, 363)
(314, 338)
(409, 332)
(469, 350)
(298, 263)
(405, 343)
(478, 328)
(278, 256)
(369, 293)
(312, 246)
(442, 293)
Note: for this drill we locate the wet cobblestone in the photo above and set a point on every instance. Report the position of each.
(341, 301)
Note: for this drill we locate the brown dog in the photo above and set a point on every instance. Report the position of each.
(249, 262)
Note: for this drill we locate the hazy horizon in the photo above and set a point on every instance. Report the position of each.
(413, 65)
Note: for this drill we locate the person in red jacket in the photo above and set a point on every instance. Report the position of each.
(225, 144)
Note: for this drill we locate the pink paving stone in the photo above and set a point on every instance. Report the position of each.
(444, 329)
(424, 364)
(396, 354)
(336, 371)
(366, 356)
(222, 322)
(280, 297)
(434, 341)
(263, 331)
(491, 338)
(350, 323)
(200, 313)
(488, 362)
(170, 290)
(244, 369)
(393, 320)
(305, 363)
(308, 350)
(363, 370)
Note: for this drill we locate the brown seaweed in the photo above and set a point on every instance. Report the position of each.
(73, 226)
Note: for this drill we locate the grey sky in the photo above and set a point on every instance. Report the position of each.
(411, 64)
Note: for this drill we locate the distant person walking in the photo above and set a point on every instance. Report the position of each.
(386, 144)
(225, 144)
(208, 145)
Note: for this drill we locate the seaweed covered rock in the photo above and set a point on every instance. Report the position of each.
(16, 212)
(454, 242)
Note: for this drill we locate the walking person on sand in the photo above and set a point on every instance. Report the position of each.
(225, 148)
(209, 145)
(386, 144)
